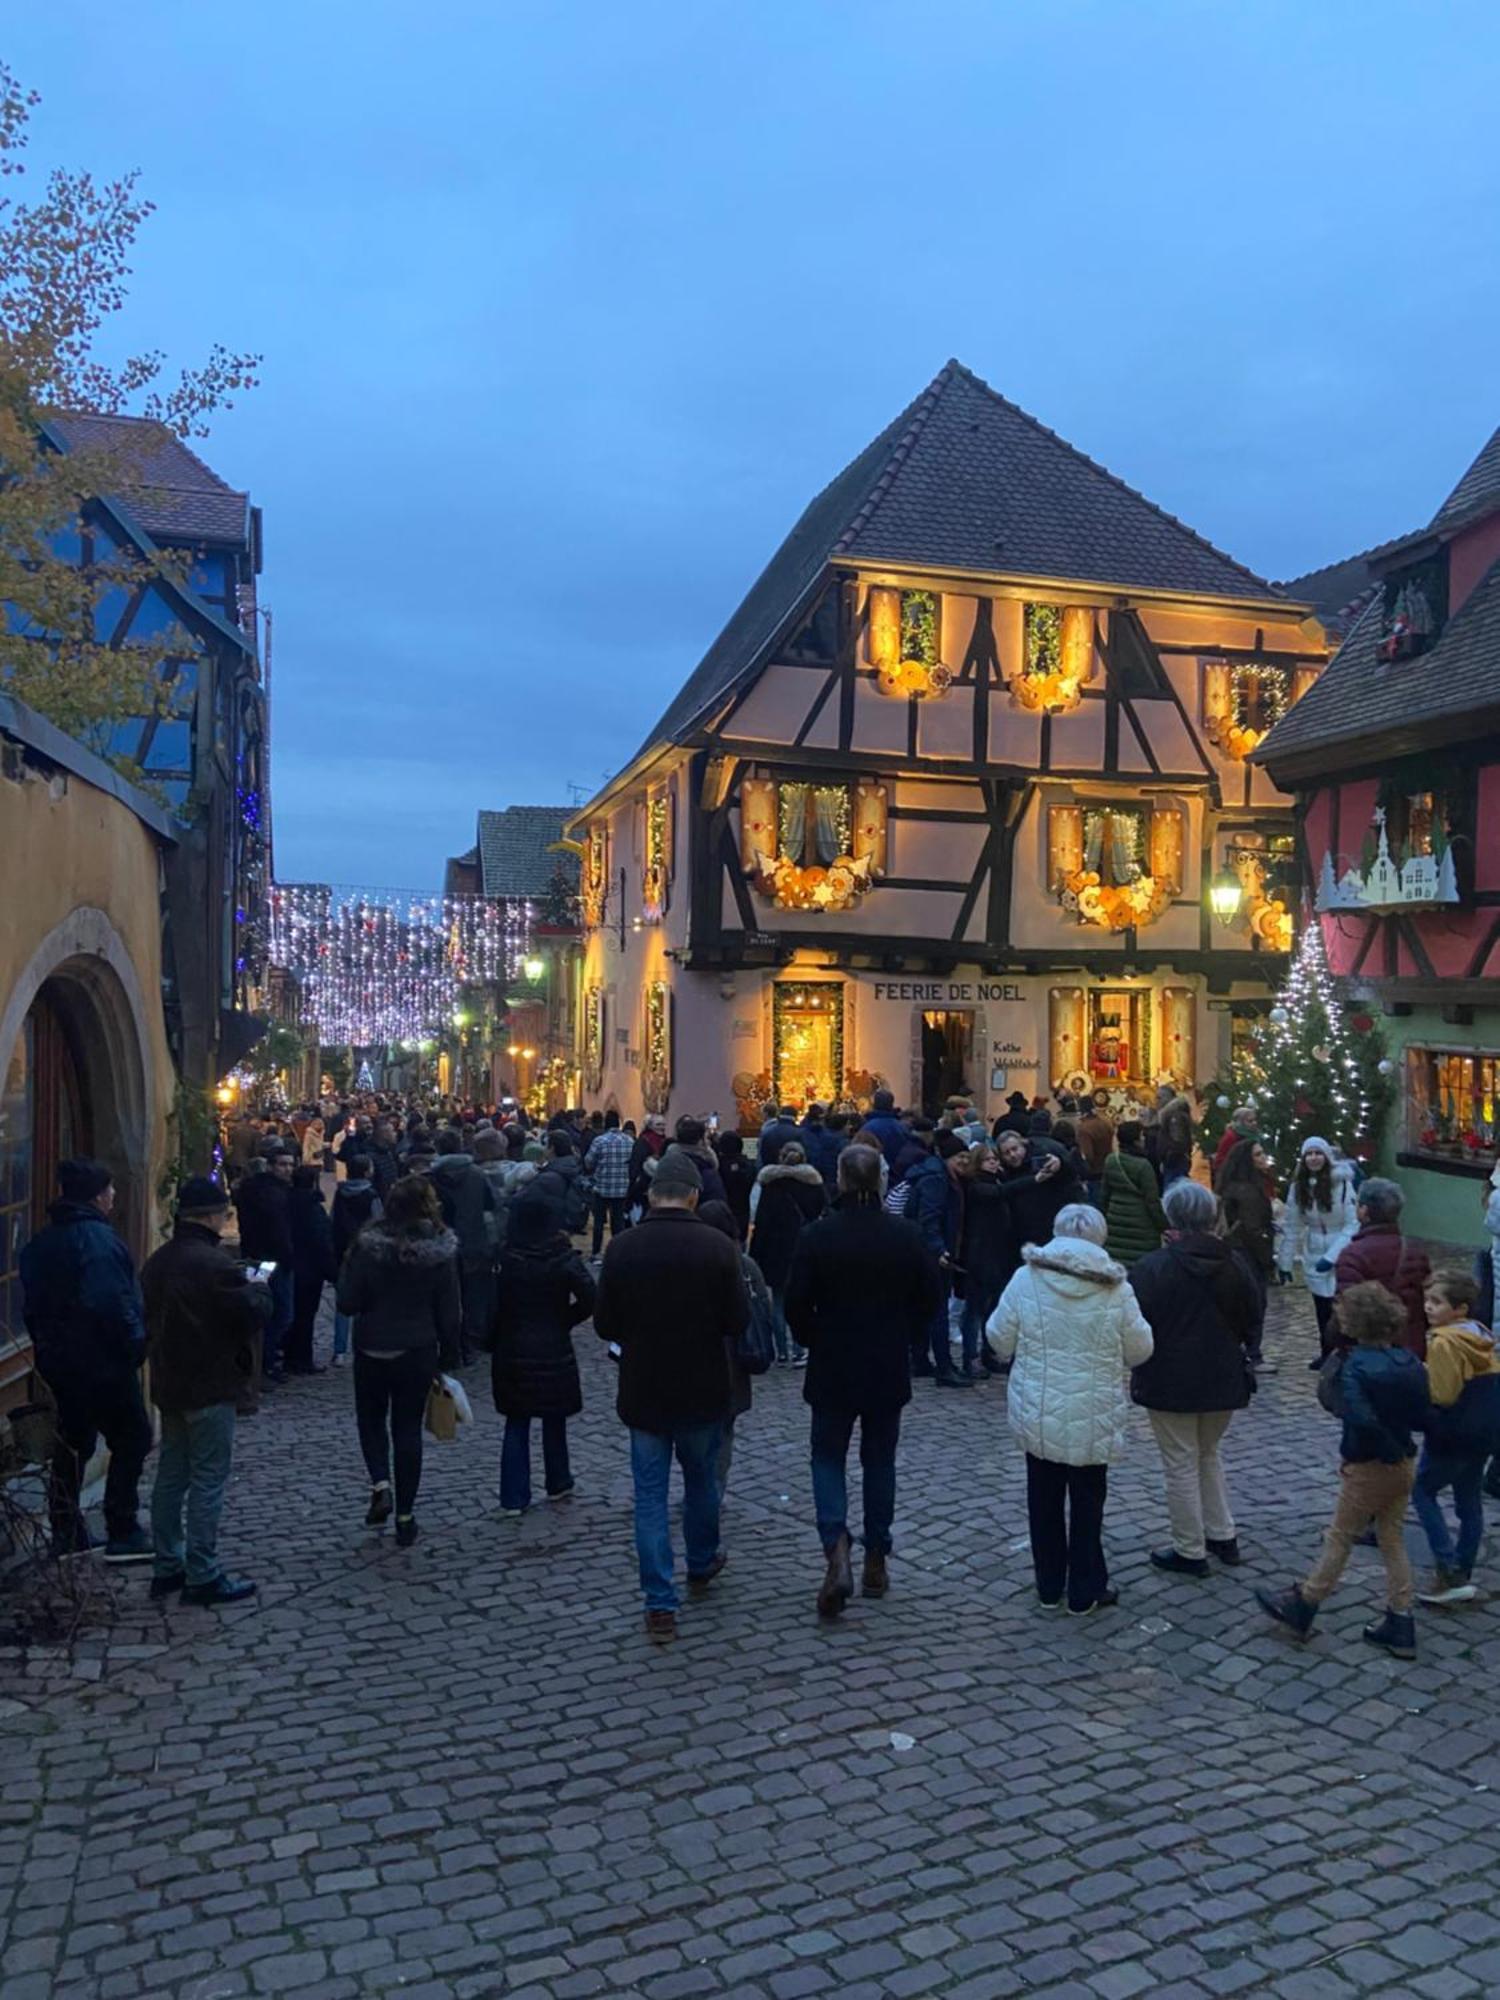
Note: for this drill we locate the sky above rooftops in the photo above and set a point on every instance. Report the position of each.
(567, 312)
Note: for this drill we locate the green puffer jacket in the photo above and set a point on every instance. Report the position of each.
(1132, 1206)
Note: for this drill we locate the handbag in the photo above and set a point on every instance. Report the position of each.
(755, 1343)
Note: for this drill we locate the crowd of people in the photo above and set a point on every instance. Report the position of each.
(1095, 1260)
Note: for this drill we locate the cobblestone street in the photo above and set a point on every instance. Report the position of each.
(463, 1771)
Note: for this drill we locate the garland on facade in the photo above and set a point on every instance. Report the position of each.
(905, 643)
(1114, 906)
(656, 1061)
(595, 879)
(1057, 657)
(593, 1038)
(1232, 693)
(656, 872)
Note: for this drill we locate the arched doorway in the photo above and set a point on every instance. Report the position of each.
(73, 1081)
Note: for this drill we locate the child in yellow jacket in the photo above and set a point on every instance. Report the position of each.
(1463, 1375)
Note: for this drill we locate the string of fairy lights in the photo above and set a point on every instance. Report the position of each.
(381, 966)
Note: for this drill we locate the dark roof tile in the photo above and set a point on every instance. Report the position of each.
(514, 850)
(1480, 484)
(171, 493)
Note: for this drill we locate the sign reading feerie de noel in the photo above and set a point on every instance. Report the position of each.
(946, 992)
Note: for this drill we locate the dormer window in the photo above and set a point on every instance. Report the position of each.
(1415, 608)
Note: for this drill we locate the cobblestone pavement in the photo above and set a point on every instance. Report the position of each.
(463, 1771)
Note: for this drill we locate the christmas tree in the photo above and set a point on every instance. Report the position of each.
(1317, 1065)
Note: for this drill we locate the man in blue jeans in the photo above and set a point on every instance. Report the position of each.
(202, 1314)
(863, 1287)
(672, 1297)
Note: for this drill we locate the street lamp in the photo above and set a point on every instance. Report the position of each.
(1225, 894)
(534, 969)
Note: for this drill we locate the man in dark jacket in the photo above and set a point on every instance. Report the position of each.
(1039, 1182)
(355, 1203)
(886, 1126)
(464, 1195)
(864, 1288)
(202, 1315)
(821, 1145)
(934, 1205)
(670, 1295)
(263, 1204)
(83, 1311)
(385, 1167)
(775, 1133)
(691, 1137)
(1378, 1252)
(1015, 1118)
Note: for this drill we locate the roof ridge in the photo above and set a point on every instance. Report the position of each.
(917, 412)
(167, 436)
(1056, 437)
(1463, 479)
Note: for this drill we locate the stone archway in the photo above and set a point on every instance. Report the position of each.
(85, 975)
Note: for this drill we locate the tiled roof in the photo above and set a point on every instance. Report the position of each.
(1338, 592)
(513, 850)
(1479, 485)
(173, 495)
(964, 480)
(1388, 705)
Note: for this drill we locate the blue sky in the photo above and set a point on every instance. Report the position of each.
(567, 309)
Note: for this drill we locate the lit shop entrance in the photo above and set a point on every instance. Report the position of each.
(947, 1057)
(807, 1057)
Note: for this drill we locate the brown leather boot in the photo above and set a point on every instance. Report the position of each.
(838, 1583)
(876, 1580)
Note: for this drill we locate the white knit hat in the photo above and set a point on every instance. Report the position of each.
(1317, 1145)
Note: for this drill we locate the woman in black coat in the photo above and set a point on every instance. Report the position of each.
(400, 1286)
(1246, 1192)
(545, 1290)
(313, 1267)
(787, 1197)
(738, 1176)
(989, 1256)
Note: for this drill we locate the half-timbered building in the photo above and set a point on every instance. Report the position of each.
(944, 803)
(1395, 761)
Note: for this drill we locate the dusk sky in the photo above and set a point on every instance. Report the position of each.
(567, 310)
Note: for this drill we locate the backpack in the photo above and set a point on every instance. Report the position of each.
(755, 1344)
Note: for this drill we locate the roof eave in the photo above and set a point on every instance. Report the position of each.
(1084, 586)
(1291, 768)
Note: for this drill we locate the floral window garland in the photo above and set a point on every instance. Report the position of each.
(593, 1038)
(812, 847)
(903, 644)
(1242, 703)
(595, 874)
(1058, 657)
(656, 1064)
(656, 873)
(1099, 872)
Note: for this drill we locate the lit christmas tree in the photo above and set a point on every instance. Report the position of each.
(1316, 1065)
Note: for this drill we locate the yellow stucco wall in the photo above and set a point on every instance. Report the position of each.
(80, 880)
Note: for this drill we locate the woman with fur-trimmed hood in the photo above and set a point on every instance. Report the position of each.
(1071, 1322)
(785, 1199)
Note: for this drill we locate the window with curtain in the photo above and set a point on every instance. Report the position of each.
(814, 824)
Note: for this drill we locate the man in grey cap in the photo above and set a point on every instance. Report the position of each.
(670, 1296)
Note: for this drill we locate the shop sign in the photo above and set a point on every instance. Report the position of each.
(947, 992)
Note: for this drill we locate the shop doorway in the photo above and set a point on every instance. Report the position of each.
(947, 1054)
(807, 1057)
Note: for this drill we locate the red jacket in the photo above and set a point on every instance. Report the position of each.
(1380, 1252)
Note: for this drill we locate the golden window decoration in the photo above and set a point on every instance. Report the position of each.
(1166, 850)
(1067, 1046)
(904, 643)
(1261, 866)
(812, 847)
(1114, 885)
(1058, 657)
(656, 868)
(1064, 845)
(656, 1058)
(1179, 1032)
(595, 884)
(1243, 702)
(593, 1038)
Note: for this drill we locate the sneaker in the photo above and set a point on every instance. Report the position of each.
(799, 1359)
(338, 1361)
(562, 1493)
(949, 1378)
(132, 1548)
(1105, 1601)
(1289, 1608)
(1448, 1586)
(698, 1585)
(661, 1627)
(1395, 1633)
(223, 1590)
(406, 1530)
(166, 1586)
(1050, 1603)
(379, 1509)
(1169, 1559)
(1227, 1552)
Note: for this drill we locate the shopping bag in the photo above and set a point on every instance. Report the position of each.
(442, 1411)
(462, 1407)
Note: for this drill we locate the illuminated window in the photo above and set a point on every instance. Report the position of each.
(814, 824)
(1451, 1103)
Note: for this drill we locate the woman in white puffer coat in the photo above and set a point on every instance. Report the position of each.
(1071, 1321)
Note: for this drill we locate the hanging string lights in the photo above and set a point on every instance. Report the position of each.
(378, 966)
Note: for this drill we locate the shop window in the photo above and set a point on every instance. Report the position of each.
(807, 1042)
(1451, 1103)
